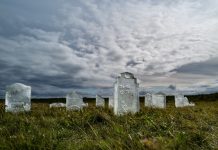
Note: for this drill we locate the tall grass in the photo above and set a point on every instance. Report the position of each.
(98, 128)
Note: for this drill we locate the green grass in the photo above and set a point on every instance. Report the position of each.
(98, 128)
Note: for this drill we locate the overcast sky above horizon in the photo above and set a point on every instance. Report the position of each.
(59, 45)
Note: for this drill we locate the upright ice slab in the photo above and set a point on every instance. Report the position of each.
(100, 102)
(181, 101)
(74, 101)
(158, 100)
(18, 98)
(111, 102)
(148, 100)
(187, 103)
(126, 97)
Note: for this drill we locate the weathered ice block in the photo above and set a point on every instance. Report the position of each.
(158, 101)
(148, 100)
(18, 98)
(100, 102)
(187, 103)
(126, 97)
(74, 101)
(53, 105)
(111, 102)
(181, 101)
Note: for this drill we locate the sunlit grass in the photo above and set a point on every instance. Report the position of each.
(97, 128)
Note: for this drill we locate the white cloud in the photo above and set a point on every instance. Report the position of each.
(90, 42)
(158, 37)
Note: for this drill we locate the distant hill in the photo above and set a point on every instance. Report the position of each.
(194, 98)
(204, 97)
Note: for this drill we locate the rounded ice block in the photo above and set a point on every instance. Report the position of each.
(18, 98)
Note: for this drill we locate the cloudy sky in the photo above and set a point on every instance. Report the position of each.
(60, 45)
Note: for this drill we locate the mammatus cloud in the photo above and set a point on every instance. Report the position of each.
(59, 45)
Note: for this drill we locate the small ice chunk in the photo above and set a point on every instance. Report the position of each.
(52, 105)
(181, 101)
(158, 101)
(100, 101)
(111, 102)
(148, 100)
(74, 101)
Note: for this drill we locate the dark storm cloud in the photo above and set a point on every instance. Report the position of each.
(172, 87)
(57, 45)
(209, 67)
(132, 63)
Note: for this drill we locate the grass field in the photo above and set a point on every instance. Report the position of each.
(97, 128)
